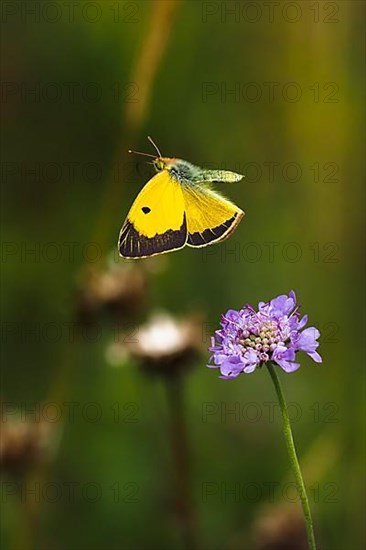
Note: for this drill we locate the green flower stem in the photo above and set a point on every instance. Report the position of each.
(180, 458)
(293, 457)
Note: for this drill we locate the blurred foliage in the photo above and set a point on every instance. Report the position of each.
(151, 67)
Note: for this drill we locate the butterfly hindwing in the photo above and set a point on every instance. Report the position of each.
(210, 217)
(156, 222)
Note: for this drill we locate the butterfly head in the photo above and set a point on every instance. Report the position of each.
(160, 163)
(163, 163)
(177, 168)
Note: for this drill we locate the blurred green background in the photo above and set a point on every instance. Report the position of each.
(272, 91)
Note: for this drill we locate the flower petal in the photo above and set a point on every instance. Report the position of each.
(251, 361)
(307, 341)
(282, 305)
(231, 366)
(284, 357)
(316, 357)
(302, 322)
(289, 366)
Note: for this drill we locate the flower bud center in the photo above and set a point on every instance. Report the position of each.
(264, 341)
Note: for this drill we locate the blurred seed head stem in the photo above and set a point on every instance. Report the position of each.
(168, 349)
(183, 506)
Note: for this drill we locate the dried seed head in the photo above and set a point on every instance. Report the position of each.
(280, 528)
(25, 445)
(163, 345)
(116, 287)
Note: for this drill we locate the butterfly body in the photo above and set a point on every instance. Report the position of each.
(188, 174)
(178, 207)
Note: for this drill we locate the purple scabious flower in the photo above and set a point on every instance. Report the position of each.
(248, 338)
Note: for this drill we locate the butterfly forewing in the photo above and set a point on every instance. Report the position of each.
(156, 222)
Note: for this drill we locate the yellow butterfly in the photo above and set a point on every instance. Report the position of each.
(177, 207)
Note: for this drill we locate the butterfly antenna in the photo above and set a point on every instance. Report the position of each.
(143, 154)
(154, 144)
